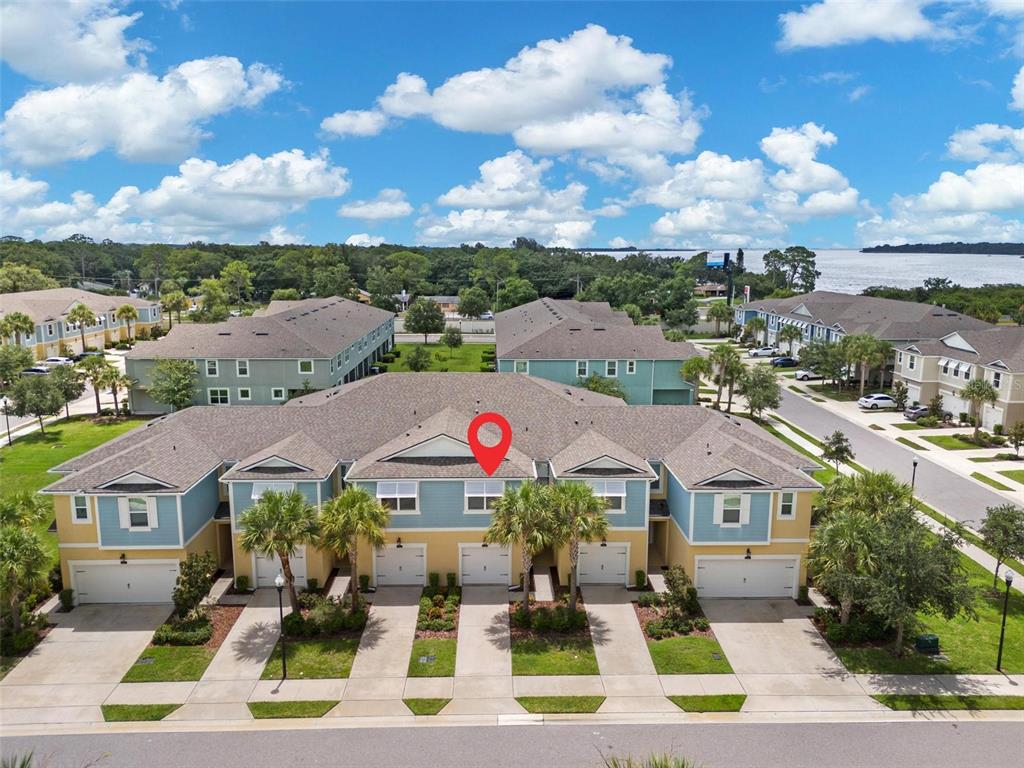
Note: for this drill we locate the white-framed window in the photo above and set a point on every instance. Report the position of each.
(630, 367)
(242, 368)
(997, 379)
(258, 489)
(244, 393)
(113, 318)
(581, 369)
(137, 513)
(656, 482)
(732, 509)
(277, 393)
(522, 366)
(212, 368)
(305, 366)
(399, 497)
(80, 510)
(945, 366)
(346, 355)
(218, 396)
(49, 329)
(899, 358)
(787, 505)
(613, 492)
(611, 368)
(967, 373)
(911, 361)
(332, 365)
(481, 495)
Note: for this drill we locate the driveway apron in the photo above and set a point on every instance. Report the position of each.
(484, 645)
(251, 641)
(618, 639)
(386, 643)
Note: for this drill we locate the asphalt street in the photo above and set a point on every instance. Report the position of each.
(937, 486)
(814, 745)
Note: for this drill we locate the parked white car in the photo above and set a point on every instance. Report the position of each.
(763, 352)
(876, 401)
(806, 374)
(57, 360)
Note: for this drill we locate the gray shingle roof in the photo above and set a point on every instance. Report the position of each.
(1005, 345)
(298, 448)
(310, 328)
(51, 303)
(554, 329)
(355, 421)
(887, 319)
(592, 446)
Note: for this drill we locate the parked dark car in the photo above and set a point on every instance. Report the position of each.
(785, 362)
(915, 412)
(88, 353)
(36, 370)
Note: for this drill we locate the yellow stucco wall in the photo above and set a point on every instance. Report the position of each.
(69, 532)
(318, 563)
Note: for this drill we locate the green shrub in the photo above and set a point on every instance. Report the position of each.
(640, 579)
(862, 627)
(521, 617)
(17, 643)
(928, 421)
(451, 580)
(999, 440)
(387, 357)
(486, 367)
(382, 367)
(659, 629)
(682, 595)
(801, 595)
(67, 599)
(195, 578)
(364, 582)
(541, 621)
(312, 585)
(650, 599)
(998, 429)
(242, 583)
(565, 621)
(434, 579)
(184, 633)
(701, 624)
(396, 352)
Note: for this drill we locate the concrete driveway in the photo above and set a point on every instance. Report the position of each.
(83, 658)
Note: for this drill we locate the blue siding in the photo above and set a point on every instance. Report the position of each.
(308, 490)
(441, 505)
(326, 490)
(198, 505)
(704, 528)
(241, 495)
(164, 535)
(636, 506)
(679, 503)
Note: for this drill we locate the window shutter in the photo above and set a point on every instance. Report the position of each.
(122, 512)
(719, 504)
(153, 516)
(745, 509)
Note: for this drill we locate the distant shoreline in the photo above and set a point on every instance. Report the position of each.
(994, 249)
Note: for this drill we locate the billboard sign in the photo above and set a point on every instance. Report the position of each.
(717, 259)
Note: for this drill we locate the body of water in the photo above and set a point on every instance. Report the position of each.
(851, 271)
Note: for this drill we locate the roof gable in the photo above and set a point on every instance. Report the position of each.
(956, 341)
(439, 446)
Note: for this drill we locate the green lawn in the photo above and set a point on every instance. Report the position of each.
(1017, 475)
(119, 713)
(263, 710)
(982, 459)
(170, 663)
(554, 656)
(991, 481)
(425, 706)
(729, 702)
(914, 702)
(908, 426)
(557, 705)
(950, 443)
(24, 466)
(7, 663)
(848, 394)
(468, 357)
(314, 659)
(688, 656)
(877, 427)
(970, 646)
(442, 652)
(911, 444)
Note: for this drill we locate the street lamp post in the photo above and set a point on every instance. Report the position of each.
(913, 476)
(1008, 577)
(279, 583)
(5, 404)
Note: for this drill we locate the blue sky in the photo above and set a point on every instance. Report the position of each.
(686, 124)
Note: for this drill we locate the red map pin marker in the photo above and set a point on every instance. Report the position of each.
(489, 457)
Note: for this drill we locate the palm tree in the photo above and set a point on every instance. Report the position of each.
(173, 301)
(720, 312)
(97, 372)
(790, 333)
(757, 325)
(128, 314)
(840, 556)
(867, 352)
(24, 564)
(278, 524)
(696, 368)
(522, 516)
(119, 381)
(978, 392)
(23, 509)
(579, 516)
(15, 324)
(346, 518)
(83, 316)
(725, 359)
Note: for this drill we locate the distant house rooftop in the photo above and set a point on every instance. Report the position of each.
(52, 303)
(1001, 347)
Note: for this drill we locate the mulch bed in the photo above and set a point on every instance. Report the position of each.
(223, 618)
(519, 633)
(645, 614)
(436, 634)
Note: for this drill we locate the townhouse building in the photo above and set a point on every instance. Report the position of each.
(945, 366)
(265, 359)
(55, 335)
(683, 485)
(829, 316)
(567, 341)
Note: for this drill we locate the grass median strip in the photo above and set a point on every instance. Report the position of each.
(916, 702)
(908, 426)
(1017, 475)
(554, 656)
(877, 427)
(990, 481)
(123, 713)
(425, 706)
(910, 443)
(433, 657)
(267, 710)
(950, 442)
(169, 663)
(560, 705)
(692, 655)
(314, 659)
(728, 702)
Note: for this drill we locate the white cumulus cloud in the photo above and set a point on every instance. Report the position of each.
(1017, 92)
(839, 22)
(363, 238)
(139, 115)
(987, 141)
(389, 204)
(355, 122)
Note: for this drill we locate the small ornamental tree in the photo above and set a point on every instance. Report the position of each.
(1016, 436)
(473, 302)
(900, 395)
(1003, 531)
(13, 360)
(936, 407)
(195, 578)
(451, 338)
(424, 316)
(602, 385)
(69, 382)
(836, 448)
(35, 396)
(418, 359)
(760, 385)
(174, 383)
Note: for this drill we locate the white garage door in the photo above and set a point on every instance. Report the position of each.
(267, 568)
(758, 577)
(484, 565)
(112, 582)
(913, 394)
(990, 416)
(955, 405)
(404, 564)
(603, 564)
